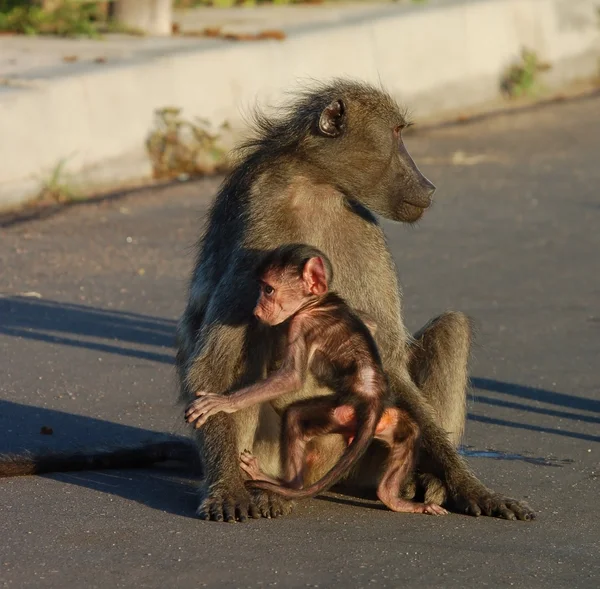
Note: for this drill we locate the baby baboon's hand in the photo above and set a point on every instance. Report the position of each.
(208, 404)
(249, 464)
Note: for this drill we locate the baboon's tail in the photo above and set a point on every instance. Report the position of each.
(358, 446)
(135, 456)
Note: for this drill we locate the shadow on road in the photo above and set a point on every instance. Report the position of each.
(536, 395)
(74, 325)
(167, 487)
(151, 338)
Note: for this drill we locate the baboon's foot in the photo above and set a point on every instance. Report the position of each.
(219, 503)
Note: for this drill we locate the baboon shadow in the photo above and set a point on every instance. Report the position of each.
(81, 326)
(169, 487)
(136, 335)
(527, 393)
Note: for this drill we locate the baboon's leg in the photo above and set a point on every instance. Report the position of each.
(438, 365)
(402, 437)
(218, 365)
(302, 422)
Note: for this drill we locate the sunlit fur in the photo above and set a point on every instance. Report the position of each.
(292, 184)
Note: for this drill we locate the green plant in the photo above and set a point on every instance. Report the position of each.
(55, 188)
(229, 3)
(521, 79)
(178, 147)
(69, 19)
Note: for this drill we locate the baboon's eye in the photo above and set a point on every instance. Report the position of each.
(398, 130)
(268, 290)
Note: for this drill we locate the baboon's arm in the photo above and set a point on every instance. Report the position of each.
(287, 379)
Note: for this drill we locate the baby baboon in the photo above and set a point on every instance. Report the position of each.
(316, 175)
(330, 341)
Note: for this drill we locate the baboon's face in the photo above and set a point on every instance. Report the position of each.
(281, 294)
(366, 157)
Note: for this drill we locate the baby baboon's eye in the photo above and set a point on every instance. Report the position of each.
(268, 290)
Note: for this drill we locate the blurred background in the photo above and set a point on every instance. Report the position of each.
(130, 91)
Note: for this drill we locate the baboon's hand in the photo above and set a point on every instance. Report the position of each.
(249, 464)
(485, 502)
(229, 505)
(206, 405)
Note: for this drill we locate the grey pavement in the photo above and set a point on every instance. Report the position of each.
(90, 297)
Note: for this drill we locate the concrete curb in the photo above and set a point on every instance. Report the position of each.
(433, 59)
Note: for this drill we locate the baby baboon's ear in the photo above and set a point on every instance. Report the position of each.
(315, 276)
(333, 119)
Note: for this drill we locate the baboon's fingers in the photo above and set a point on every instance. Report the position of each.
(520, 509)
(271, 505)
(242, 513)
(203, 513)
(190, 410)
(246, 458)
(201, 421)
(194, 416)
(473, 509)
(193, 410)
(226, 505)
(216, 512)
(229, 512)
(210, 510)
(505, 513)
(253, 511)
(496, 505)
(486, 507)
(204, 414)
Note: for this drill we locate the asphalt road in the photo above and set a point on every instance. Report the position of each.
(89, 302)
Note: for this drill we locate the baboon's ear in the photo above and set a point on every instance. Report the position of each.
(315, 276)
(333, 119)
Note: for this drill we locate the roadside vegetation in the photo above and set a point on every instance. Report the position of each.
(522, 78)
(181, 148)
(231, 3)
(67, 18)
(73, 18)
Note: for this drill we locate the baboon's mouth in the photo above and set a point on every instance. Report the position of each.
(410, 213)
(418, 205)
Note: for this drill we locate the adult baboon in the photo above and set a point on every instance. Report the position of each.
(316, 175)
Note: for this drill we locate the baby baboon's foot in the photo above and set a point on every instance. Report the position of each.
(249, 464)
(430, 509)
(402, 506)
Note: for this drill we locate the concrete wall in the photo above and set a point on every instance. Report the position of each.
(431, 58)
